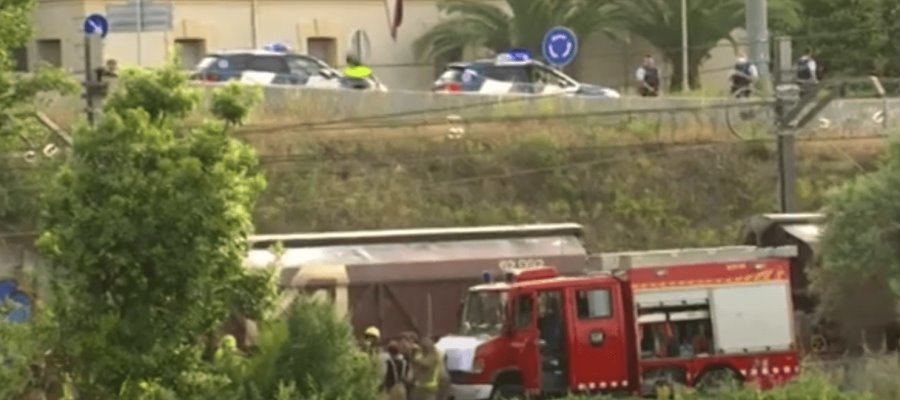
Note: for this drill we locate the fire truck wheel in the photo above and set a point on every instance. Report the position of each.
(718, 379)
(819, 343)
(508, 392)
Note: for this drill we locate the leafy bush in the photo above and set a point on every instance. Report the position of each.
(310, 354)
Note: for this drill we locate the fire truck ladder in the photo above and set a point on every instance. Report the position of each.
(609, 262)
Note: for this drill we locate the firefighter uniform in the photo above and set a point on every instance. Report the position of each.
(428, 366)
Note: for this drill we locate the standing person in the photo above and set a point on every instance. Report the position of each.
(409, 347)
(742, 76)
(807, 72)
(648, 77)
(371, 339)
(444, 384)
(393, 385)
(426, 371)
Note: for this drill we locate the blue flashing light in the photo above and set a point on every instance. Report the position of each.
(515, 55)
(486, 277)
(277, 47)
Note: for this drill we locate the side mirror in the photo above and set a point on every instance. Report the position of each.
(328, 73)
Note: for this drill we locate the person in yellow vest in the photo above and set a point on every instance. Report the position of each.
(357, 75)
(427, 368)
(444, 386)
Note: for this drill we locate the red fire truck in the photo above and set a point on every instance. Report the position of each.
(696, 317)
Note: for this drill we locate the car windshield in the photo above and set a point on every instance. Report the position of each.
(206, 63)
(484, 313)
(452, 74)
(303, 65)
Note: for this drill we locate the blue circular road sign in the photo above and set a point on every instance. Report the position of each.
(96, 24)
(560, 46)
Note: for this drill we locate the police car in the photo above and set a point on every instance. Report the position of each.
(272, 65)
(514, 73)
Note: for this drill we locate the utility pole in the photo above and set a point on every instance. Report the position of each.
(685, 50)
(758, 36)
(793, 112)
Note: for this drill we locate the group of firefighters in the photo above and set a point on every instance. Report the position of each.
(741, 77)
(410, 368)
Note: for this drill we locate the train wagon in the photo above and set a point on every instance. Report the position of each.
(413, 279)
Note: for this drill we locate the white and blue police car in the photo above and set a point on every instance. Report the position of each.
(274, 64)
(516, 73)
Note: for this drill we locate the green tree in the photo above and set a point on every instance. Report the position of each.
(21, 181)
(709, 23)
(860, 249)
(146, 229)
(311, 352)
(486, 26)
(851, 38)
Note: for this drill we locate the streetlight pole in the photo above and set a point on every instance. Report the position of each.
(758, 35)
(685, 84)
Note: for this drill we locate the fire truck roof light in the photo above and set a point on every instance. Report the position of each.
(486, 277)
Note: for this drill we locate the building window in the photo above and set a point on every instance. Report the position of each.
(49, 51)
(323, 48)
(191, 52)
(594, 304)
(20, 59)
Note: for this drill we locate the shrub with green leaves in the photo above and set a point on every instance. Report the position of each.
(310, 353)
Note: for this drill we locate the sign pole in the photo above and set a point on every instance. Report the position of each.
(88, 80)
(139, 10)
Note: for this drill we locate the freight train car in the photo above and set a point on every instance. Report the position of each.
(838, 334)
(413, 280)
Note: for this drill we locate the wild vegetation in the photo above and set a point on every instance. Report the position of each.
(143, 322)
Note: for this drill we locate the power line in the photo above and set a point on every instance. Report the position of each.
(444, 156)
(326, 126)
(667, 149)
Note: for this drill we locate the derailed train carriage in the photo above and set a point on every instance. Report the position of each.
(826, 337)
(413, 279)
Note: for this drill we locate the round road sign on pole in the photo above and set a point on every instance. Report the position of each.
(560, 46)
(96, 24)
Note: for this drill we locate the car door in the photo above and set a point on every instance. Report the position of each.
(599, 356)
(524, 342)
(552, 81)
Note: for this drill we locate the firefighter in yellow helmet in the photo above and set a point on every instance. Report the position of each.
(372, 347)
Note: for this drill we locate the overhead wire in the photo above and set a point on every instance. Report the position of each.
(468, 153)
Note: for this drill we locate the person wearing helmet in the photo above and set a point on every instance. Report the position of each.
(371, 340)
(742, 77)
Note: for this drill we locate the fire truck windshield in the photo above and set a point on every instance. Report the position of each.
(484, 313)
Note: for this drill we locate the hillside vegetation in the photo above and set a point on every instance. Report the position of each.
(628, 194)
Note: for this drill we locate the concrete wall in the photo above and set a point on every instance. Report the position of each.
(281, 104)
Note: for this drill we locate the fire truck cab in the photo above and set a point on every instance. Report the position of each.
(696, 317)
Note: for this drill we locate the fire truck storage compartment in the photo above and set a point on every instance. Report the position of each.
(414, 279)
(752, 318)
(743, 318)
